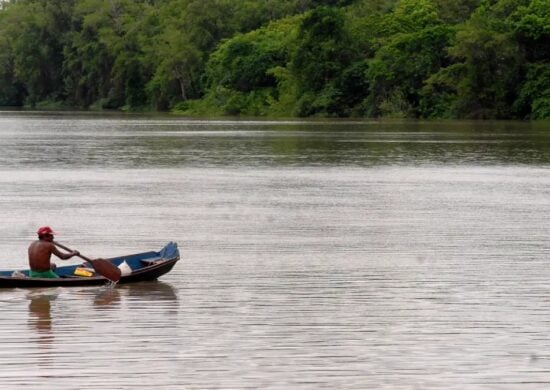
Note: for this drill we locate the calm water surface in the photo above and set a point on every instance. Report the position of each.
(315, 255)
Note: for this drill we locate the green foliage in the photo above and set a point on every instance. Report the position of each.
(532, 28)
(534, 20)
(322, 53)
(396, 58)
(398, 71)
(455, 11)
(439, 95)
(534, 97)
(414, 15)
(492, 61)
(242, 63)
(35, 31)
(11, 90)
(103, 56)
(240, 73)
(322, 49)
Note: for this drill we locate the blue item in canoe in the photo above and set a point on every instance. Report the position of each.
(144, 266)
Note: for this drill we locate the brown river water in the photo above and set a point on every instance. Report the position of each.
(315, 254)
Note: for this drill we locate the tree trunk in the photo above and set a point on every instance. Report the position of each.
(182, 87)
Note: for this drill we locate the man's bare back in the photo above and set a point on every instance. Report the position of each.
(40, 251)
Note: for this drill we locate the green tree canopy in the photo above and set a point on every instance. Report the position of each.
(408, 58)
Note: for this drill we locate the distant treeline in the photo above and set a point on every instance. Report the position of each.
(340, 58)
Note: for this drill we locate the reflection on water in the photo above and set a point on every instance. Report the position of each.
(59, 141)
(315, 255)
(42, 300)
(154, 290)
(108, 298)
(68, 325)
(40, 319)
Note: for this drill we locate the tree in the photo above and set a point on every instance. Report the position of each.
(456, 11)
(534, 97)
(323, 50)
(36, 30)
(399, 69)
(104, 56)
(492, 66)
(410, 48)
(12, 91)
(176, 71)
(241, 73)
(531, 25)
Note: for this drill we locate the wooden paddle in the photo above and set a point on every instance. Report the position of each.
(101, 266)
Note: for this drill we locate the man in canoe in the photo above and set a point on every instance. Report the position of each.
(40, 252)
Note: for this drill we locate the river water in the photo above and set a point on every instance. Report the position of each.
(315, 254)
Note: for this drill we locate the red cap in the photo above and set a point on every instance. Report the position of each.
(45, 230)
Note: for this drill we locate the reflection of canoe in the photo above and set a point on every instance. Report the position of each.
(144, 266)
(153, 291)
(39, 309)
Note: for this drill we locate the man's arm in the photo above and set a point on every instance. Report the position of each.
(63, 256)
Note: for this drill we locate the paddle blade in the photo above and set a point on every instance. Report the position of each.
(106, 269)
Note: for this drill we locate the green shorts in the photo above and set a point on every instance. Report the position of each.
(43, 274)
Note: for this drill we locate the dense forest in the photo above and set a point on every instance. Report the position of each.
(339, 58)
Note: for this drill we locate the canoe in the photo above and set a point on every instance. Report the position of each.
(139, 267)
